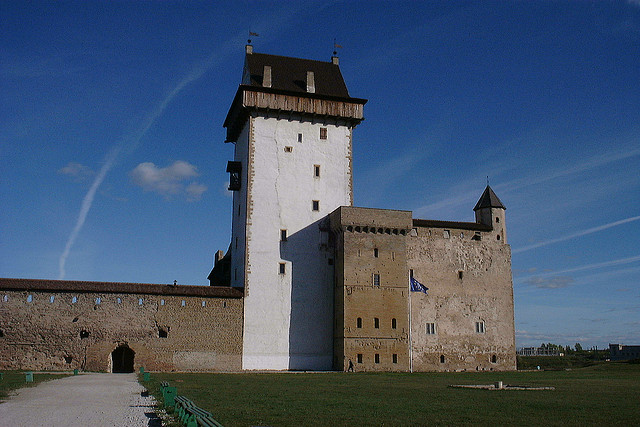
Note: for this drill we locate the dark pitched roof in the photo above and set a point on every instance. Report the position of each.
(432, 223)
(489, 200)
(290, 74)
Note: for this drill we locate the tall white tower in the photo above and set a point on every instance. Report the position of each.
(291, 122)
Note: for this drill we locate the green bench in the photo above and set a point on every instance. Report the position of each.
(168, 394)
(192, 416)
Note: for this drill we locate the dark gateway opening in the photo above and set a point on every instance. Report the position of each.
(122, 358)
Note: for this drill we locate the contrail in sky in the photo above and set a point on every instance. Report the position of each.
(605, 264)
(578, 234)
(130, 144)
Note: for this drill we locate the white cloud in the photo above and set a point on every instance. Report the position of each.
(169, 181)
(76, 171)
(550, 283)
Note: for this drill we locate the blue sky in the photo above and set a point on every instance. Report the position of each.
(113, 161)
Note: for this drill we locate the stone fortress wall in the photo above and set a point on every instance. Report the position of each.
(46, 324)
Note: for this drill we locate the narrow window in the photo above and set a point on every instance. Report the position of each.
(283, 235)
(98, 301)
(447, 234)
(359, 322)
(84, 334)
(315, 205)
(52, 298)
(375, 252)
(498, 237)
(235, 273)
(140, 301)
(234, 169)
(161, 302)
(183, 303)
(376, 358)
(494, 359)
(288, 149)
(497, 219)
(224, 304)
(5, 298)
(316, 171)
(299, 137)
(204, 303)
(29, 298)
(376, 279)
(236, 243)
(462, 235)
(359, 358)
(393, 256)
(442, 358)
(431, 328)
(162, 333)
(323, 133)
(460, 274)
(119, 300)
(393, 323)
(395, 358)
(359, 253)
(282, 268)
(480, 327)
(238, 210)
(376, 323)
(411, 273)
(74, 300)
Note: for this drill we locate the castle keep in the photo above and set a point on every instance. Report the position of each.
(309, 282)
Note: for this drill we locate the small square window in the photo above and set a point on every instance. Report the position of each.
(376, 279)
(299, 137)
(283, 235)
(315, 205)
(323, 133)
(431, 328)
(282, 268)
(288, 149)
(316, 171)
(359, 358)
(447, 234)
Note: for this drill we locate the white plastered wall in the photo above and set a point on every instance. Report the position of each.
(288, 317)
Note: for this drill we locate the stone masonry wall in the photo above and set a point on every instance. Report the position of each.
(68, 329)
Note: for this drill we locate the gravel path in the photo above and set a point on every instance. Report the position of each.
(83, 400)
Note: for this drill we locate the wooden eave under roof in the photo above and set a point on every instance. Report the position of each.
(431, 223)
(46, 285)
(239, 111)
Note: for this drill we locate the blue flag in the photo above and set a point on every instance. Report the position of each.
(417, 286)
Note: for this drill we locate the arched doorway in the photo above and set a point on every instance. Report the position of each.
(122, 359)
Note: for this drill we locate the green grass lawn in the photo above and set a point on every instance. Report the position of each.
(601, 394)
(16, 379)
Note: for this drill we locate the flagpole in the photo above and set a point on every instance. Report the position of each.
(410, 340)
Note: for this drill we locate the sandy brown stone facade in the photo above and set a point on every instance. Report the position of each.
(464, 322)
(68, 325)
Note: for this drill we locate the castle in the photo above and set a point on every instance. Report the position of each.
(309, 282)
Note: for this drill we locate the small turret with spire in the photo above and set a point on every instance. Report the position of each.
(490, 211)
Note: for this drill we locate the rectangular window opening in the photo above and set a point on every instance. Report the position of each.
(446, 234)
(299, 137)
(359, 358)
(431, 328)
(288, 149)
(480, 327)
(316, 171)
(282, 268)
(376, 323)
(283, 235)
(315, 205)
(376, 358)
(323, 133)
(376, 279)
(376, 252)
(395, 358)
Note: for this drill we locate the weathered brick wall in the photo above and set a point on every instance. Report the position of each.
(469, 281)
(46, 329)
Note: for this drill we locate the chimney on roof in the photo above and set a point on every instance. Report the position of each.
(311, 85)
(335, 60)
(266, 76)
(249, 49)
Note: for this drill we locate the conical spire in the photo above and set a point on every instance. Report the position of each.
(489, 200)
